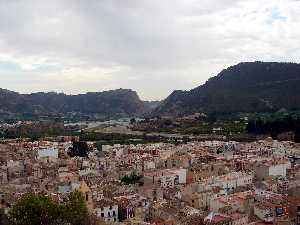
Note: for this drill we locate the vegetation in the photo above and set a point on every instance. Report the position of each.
(34, 209)
(38, 209)
(275, 124)
(97, 136)
(106, 104)
(196, 126)
(246, 87)
(75, 211)
(37, 130)
(132, 179)
(80, 149)
(117, 138)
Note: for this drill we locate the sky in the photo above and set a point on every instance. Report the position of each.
(150, 46)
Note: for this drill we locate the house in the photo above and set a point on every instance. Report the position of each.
(239, 218)
(263, 170)
(240, 201)
(229, 182)
(269, 206)
(167, 178)
(51, 153)
(107, 210)
(217, 219)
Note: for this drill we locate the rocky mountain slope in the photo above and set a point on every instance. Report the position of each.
(246, 87)
(116, 103)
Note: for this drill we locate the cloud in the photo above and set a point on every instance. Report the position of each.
(152, 46)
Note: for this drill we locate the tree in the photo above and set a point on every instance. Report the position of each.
(80, 148)
(132, 179)
(35, 209)
(75, 210)
(132, 121)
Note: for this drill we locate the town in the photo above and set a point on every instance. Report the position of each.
(149, 112)
(208, 182)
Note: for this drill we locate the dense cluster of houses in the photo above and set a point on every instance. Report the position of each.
(210, 182)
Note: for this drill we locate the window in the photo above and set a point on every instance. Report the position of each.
(114, 213)
(102, 214)
(110, 207)
(108, 214)
(86, 196)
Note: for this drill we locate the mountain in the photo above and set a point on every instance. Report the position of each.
(116, 103)
(151, 105)
(246, 87)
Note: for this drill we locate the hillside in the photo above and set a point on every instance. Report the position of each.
(116, 103)
(246, 87)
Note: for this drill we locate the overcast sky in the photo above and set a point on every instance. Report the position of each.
(151, 46)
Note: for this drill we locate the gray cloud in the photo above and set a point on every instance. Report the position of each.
(152, 46)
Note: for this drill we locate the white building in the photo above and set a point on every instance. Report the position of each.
(148, 165)
(236, 201)
(267, 169)
(230, 181)
(107, 210)
(171, 177)
(48, 152)
(279, 170)
(166, 178)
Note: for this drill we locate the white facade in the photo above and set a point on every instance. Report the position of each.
(149, 165)
(230, 181)
(279, 169)
(108, 213)
(87, 171)
(49, 152)
(181, 173)
(107, 148)
(170, 177)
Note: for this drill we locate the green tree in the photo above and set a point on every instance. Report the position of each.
(132, 121)
(132, 179)
(80, 148)
(75, 210)
(35, 209)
